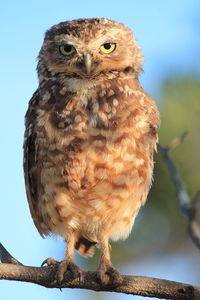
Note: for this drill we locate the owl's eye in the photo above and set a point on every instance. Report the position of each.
(67, 49)
(108, 48)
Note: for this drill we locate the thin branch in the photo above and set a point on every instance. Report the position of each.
(188, 206)
(178, 140)
(135, 285)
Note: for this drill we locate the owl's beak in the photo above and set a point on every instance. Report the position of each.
(88, 63)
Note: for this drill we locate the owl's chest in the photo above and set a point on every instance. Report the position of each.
(80, 151)
(92, 138)
(95, 156)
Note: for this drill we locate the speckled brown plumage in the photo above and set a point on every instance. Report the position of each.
(90, 135)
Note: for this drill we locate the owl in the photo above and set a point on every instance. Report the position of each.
(91, 131)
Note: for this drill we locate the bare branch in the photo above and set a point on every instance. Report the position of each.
(187, 205)
(135, 285)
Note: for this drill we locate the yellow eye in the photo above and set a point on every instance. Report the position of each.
(108, 48)
(67, 49)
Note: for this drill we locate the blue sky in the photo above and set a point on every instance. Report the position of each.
(167, 32)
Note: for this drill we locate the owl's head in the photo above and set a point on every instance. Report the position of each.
(86, 48)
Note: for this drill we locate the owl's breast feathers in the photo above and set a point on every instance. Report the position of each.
(88, 156)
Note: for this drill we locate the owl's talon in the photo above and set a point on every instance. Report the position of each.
(69, 271)
(107, 275)
(50, 261)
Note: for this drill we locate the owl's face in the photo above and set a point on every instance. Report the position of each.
(85, 48)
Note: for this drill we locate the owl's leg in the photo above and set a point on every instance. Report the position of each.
(106, 273)
(67, 265)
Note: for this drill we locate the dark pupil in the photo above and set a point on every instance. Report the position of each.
(107, 46)
(68, 48)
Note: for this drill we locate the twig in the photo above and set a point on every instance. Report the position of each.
(135, 285)
(187, 205)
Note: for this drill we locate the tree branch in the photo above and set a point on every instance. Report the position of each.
(188, 206)
(135, 285)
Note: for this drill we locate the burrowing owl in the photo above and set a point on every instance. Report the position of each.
(90, 135)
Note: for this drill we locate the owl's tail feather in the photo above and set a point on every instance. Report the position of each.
(85, 247)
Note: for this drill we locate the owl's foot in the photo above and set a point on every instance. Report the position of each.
(69, 271)
(66, 269)
(107, 275)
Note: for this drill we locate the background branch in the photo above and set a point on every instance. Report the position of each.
(188, 206)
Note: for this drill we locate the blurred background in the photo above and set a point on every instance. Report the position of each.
(169, 34)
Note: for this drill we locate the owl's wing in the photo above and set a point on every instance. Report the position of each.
(31, 167)
(154, 119)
